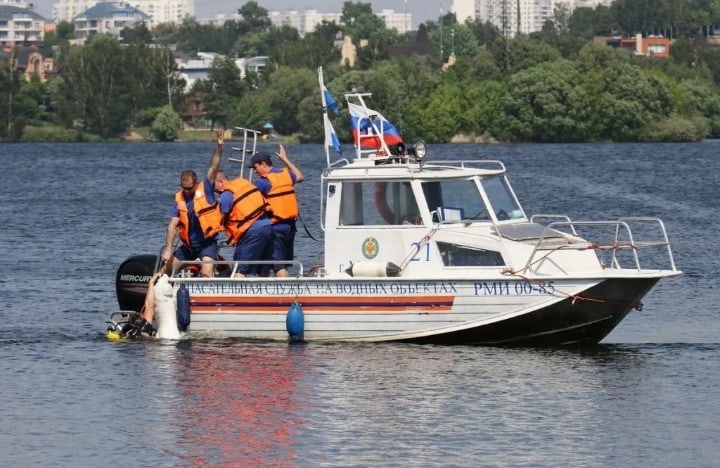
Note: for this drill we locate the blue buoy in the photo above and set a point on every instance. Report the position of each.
(295, 322)
(183, 308)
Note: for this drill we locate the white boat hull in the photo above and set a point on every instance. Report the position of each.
(507, 311)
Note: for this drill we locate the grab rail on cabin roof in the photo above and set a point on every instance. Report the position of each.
(621, 226)
(489, 165)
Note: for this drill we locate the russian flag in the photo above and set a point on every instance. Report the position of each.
(366, 122)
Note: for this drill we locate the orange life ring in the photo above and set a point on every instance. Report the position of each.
(381, 202)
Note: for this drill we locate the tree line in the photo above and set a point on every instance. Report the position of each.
(555, 85)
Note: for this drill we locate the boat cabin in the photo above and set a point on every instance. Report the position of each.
(391, 209)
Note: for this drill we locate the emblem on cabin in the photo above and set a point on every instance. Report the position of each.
(370, 248)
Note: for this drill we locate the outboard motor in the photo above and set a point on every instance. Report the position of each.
(131, 281)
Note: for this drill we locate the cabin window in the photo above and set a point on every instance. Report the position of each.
(501, 198)
(454, 200)
(457, 255)
(378, 204)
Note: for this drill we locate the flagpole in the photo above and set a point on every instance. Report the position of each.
(325, 116)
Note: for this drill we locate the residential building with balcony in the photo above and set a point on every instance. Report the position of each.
(20, 25)
(108, 19)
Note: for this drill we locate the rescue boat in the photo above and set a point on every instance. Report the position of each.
(422, 252)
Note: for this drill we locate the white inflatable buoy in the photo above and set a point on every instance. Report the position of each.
(167, 327)
(373, 269)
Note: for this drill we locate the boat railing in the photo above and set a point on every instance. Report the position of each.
(249, 145)
(341, 165)
(538, 218)
(224, 268)
(487, 164)
(649, 233)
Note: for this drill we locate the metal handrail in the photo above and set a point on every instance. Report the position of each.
(412, 168)
(621, 225)
(247, 133)
(178, 274)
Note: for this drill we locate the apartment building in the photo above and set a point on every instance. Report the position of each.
(160, 11)
(306, 21)
(513, 16)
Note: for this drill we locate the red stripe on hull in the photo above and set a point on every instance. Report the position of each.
(322, 304)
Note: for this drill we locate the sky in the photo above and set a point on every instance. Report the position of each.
(421, 10)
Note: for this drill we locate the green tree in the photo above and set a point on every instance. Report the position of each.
(597, 57)
(29, 103)
(10, 82)
(157, 81)
(284, 90)
(683, 52)
(315, 49)
(546, 103)
(252, 45)
(631, 99)
(166, 33)
(166, 125)
(704, 99)
(584, 23)
(710, 57)
(486, 33)
(526, 53)
(64, 32)
(140, 34)
(457, 39)
(252, 111)
(623, 98)
(97, 87)
(194, 37)
(437, 114)
(221, 90)
(359, 22)
(254, 17)
(484, 102)
(376, 49)
(636, 16)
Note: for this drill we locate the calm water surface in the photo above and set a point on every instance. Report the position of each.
(71, 213)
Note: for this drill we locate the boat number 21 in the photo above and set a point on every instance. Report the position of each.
(422, 252)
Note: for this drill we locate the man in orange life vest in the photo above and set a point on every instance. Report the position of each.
(278, 187)
(196, 217)
(246, 221)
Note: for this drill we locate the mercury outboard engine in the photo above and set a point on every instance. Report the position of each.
(131, 281)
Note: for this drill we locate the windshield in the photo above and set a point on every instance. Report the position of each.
(454, 200)
(460, 200)
(501, 198)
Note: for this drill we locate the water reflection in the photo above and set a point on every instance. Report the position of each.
(235, 403)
